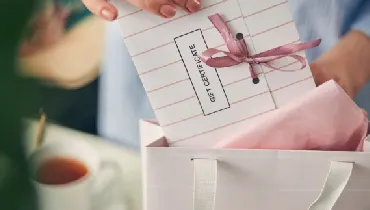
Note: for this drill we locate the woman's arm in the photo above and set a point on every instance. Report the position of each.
(344, 27)
(73, 60)
(348, 62)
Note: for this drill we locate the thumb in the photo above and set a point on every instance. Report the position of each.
(101, 8)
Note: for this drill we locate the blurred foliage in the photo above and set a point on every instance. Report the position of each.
(16, 191)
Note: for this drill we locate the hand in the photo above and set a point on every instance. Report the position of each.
(348, 63)
(46, 28)
(163, 8)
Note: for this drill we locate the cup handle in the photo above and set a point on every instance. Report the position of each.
(107, 179)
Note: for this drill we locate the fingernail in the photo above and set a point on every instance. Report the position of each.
(193, 5)
(168, 11)
(108, 15)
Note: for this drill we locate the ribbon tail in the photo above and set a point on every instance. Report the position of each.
(234, 46)
(219, 62)
(222, 27)
(252, 72)
(299, 59)
(289, 49)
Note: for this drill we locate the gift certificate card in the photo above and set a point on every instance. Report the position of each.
(196, 104)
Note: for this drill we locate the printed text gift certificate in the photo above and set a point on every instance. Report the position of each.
(212, 73)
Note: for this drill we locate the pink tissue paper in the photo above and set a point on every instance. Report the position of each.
(324, 119)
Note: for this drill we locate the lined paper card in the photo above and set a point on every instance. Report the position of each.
(195, 104)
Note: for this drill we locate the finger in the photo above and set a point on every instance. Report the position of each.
(193, 5)
(189, 5)
(318, 74)
(101, 8)
(365, 112)
(163, 8)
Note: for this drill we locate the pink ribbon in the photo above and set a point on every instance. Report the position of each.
(238, 51)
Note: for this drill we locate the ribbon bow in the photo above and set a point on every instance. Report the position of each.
(238, 51)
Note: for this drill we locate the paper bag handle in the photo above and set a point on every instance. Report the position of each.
(205, 185)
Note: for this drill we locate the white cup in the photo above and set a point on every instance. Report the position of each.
(84, 193)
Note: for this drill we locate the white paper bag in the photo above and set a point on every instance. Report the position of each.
(208, 179)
